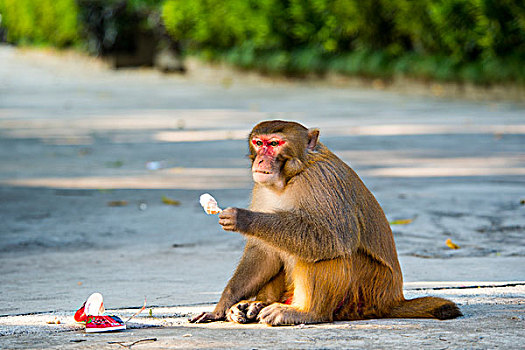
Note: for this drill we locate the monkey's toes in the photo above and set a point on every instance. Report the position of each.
(278, 315)
(237, 315)
(244, 311)
(254, 309)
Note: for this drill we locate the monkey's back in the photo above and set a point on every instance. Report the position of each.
(349, 207)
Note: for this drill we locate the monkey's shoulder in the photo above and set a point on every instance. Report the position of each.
(328, 171)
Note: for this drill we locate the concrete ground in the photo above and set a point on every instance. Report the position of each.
(87, 155)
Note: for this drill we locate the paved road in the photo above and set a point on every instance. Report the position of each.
(76, 138)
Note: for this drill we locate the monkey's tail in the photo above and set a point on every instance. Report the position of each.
(426, 307)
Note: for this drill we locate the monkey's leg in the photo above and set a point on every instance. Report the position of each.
(256, 268)
(318, 290)
(246, 311)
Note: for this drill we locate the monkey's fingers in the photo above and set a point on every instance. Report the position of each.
(229, 228)
(195, 319)
(228, 213)
(228, 222)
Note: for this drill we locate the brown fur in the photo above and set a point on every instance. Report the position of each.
(317, 237)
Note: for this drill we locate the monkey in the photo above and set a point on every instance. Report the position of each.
(318, 245)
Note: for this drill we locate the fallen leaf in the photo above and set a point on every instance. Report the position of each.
(169, 201)
(85, 151)
(451, 244)
(401, 222)
(115, 164)
(117, 203)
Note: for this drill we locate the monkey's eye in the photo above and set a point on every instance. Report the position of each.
(259, 143)
(274, 143)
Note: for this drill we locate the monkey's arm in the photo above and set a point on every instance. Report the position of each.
(255, 269)
(308, 236)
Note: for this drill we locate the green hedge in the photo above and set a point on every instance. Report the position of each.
(475, 40)
(481, 41)
(40, 21)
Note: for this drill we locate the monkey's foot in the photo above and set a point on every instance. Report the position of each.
(279, 314)
(245, 311)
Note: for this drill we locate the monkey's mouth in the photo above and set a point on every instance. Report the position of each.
(263, 172)
(263, 176)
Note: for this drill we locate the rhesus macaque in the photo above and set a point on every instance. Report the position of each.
(319, 247)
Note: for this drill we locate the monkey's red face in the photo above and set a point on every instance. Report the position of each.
(266, 165)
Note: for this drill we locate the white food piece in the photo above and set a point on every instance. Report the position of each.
(209, 204)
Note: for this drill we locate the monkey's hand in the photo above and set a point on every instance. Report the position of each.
(235, 219)
(206, 317)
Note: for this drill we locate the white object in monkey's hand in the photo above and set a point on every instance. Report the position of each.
(209, 204)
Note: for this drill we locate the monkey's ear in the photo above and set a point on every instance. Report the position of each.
(313, 136)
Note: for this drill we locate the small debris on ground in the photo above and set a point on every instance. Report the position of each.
(182, 245)
(138, 312)
(55, 321)
(129, 345)
(155, 165)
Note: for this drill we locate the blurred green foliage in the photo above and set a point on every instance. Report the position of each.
(97, 26)
(40, 21)
(482, 41)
